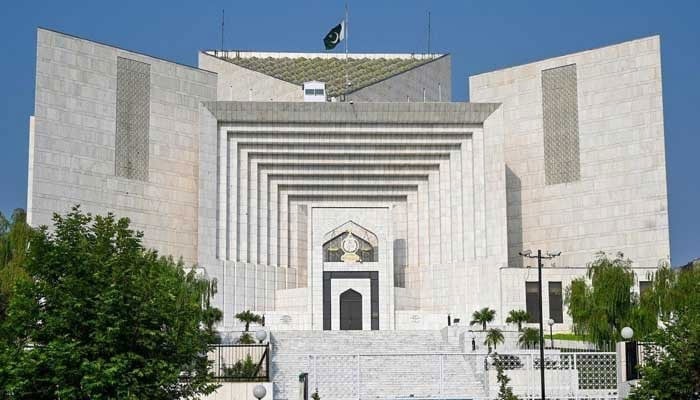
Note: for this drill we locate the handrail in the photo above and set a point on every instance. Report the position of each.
(263, 358)
(228, 362)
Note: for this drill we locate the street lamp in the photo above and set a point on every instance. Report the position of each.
(261, 335)
(550, 255)
(627, 333)
(259, 391)
(551, 336)
(631, 354)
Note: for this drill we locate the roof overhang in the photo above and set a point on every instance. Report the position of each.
(327, 112)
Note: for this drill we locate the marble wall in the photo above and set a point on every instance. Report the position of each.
(619, 202)
(615, 200)
(73, 141)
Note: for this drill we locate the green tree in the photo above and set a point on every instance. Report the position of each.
(518, 317)
(104, 318)
(494, 337)
(14, 242)
(247, 317)
(672, 364)
(483, 317)
(505, 392)
(662, 299)
(602, 308)
(529, 337)
(211, 315)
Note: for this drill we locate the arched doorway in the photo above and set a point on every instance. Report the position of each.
(350, 311)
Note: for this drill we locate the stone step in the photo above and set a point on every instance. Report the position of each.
(360, 342)
(371, 364)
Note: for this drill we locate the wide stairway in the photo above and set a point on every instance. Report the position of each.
(373, 365)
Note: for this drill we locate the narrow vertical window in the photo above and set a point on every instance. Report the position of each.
(556, 302)
(132, 119)
(532, 306)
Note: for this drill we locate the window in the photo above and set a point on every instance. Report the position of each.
(532, 305)
(556, 302)
(308, 92)
(643, 287)
(318, 92)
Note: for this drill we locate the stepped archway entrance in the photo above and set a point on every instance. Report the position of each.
(350, 311)
(350, 260)
(350, 300)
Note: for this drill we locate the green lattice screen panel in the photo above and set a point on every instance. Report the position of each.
(133, 114)
(560, 120)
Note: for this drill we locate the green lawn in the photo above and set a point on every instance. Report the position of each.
(569, 336)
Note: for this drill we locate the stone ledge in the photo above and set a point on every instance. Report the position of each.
(335, 113)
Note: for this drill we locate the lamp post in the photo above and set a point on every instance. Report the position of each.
(631, 354)
(627, 333)
(540, 257)
(551, 335)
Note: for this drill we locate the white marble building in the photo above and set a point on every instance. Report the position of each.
(386, 207)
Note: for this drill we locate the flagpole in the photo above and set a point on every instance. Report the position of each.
(347, 73)
(429, 53)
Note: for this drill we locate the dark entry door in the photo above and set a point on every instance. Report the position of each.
(350, 311)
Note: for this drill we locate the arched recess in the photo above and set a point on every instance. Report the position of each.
(362, 242)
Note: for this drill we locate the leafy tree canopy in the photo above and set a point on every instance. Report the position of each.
(601, 308)
(672, 364)
(104, 318)
(14, 241)
(666, 316)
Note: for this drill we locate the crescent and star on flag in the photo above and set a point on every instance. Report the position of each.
(334, 36)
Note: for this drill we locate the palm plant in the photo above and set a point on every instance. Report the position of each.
(529, 337)
(494, 337)
(518, 317)
(248, 317)
(483, 317)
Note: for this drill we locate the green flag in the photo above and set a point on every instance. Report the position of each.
(335, 36)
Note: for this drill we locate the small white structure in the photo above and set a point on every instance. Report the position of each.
(314, 91)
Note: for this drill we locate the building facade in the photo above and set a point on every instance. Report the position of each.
(384, 206)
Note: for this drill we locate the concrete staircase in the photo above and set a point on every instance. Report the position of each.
(374, 364)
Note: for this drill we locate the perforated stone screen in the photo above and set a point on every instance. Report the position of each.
(560, 119)
(133, 113)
